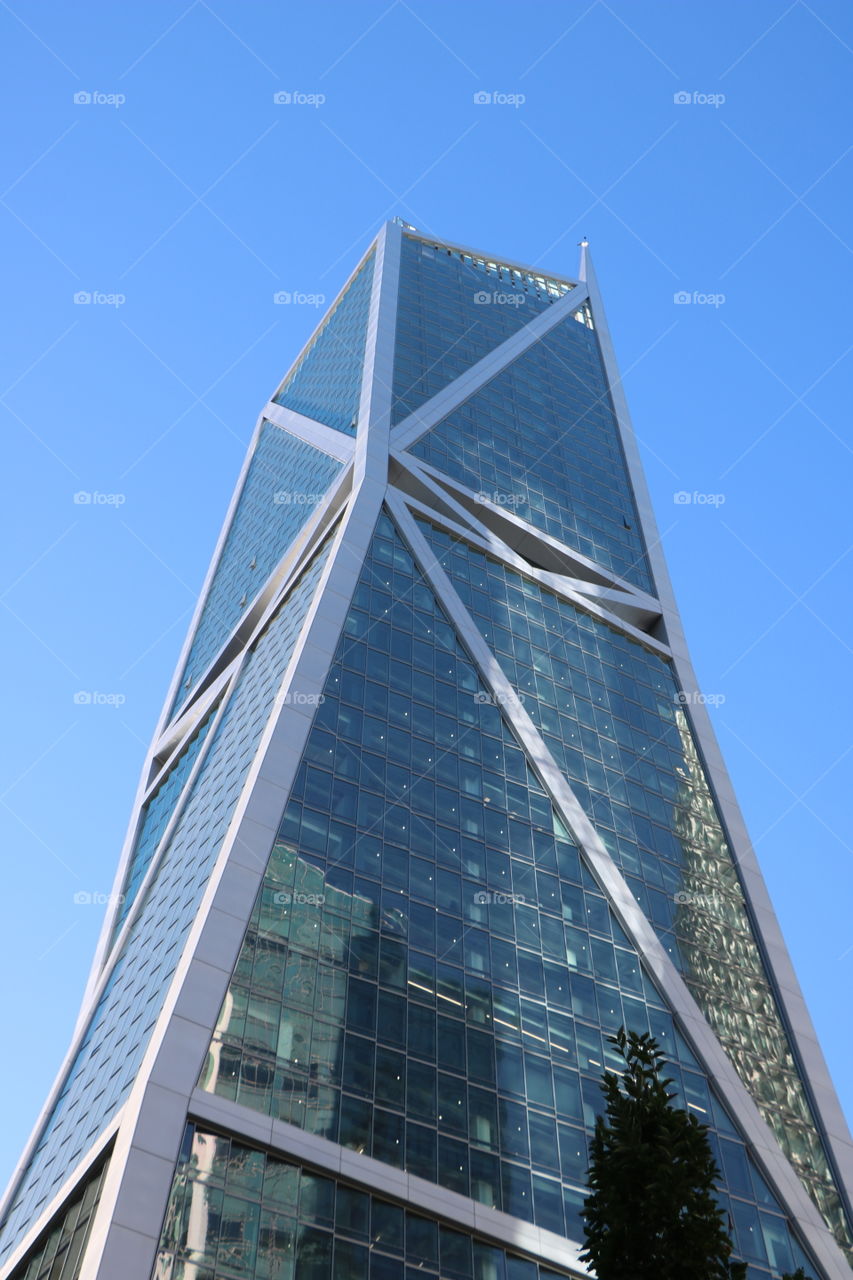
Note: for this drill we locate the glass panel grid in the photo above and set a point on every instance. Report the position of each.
(541, 439)
(156, 815)
(286, 480)
(430, 971)
(610, 712)
(59, 1254)
(237, 1212)
(326, 382)
(107, 1062)
(454, 309)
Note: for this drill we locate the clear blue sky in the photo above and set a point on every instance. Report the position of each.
(198, 197)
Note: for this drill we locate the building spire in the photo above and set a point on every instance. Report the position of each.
(583, 245)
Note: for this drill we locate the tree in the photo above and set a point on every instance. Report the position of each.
(651, 1213)
(799, 1274)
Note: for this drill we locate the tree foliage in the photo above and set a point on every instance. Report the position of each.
(651, 1213)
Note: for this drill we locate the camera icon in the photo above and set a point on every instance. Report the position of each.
(82, 498)
(682, 498)
(82, 98)
(682, 297)
(282, 98)
(82, 298)
(82, 898)
(482, 99)
(282, 297)
(682, 98)
(482, 299)
(482, 898)
(482, 698)
(282, 899)
(683, 897)
(82, 698)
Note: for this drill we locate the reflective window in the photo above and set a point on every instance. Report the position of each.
(610, 712)
(326, 382)
(285, 481)
(453, 309)
(108, 1059)
(430, 970)
(541, 441)
(155, 818)
(287, 1223)
(59, 1254)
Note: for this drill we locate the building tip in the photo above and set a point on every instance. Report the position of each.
(583, 245)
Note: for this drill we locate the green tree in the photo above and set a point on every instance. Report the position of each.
(799, 1274)
(651, 1213)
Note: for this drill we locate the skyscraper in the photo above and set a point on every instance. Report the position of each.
(434, 806)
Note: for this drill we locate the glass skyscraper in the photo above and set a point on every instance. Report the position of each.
(433, 808)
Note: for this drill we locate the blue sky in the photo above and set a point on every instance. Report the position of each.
(183, 197)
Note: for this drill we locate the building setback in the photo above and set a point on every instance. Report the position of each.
(434, 807)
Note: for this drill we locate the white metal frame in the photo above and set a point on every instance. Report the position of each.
(473, 379)
(518, 533)
(174, 728)
(610, 606)
(147, 1130)
(668, 980)
(814, 1070)
(146, 1133)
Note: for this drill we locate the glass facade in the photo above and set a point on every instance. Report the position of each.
(541, 440)
(59, 1254)
(427, 968)
(286, 480)
(610, 712)
(235, 1211)
(106, 1064)
(155, 818)
(325, 384)
(453, 309)
(430, 971)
